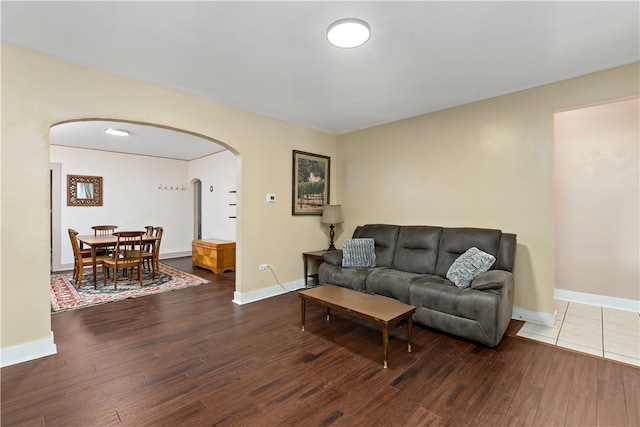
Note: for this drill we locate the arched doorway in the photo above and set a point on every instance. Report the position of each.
(154, 165)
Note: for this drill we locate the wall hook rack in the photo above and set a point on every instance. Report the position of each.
(171, 187)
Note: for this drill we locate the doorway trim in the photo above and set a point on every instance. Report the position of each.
(55, 190)
(197, 209)
(56, 181)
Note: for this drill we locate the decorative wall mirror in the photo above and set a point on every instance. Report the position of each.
(84, 190)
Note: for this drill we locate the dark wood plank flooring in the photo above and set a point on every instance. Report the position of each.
(192, 357)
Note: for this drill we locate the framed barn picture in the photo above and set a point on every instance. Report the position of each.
(311, 174)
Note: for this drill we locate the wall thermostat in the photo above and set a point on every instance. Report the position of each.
(271, 198)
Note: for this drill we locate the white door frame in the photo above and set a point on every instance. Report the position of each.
(55, 170)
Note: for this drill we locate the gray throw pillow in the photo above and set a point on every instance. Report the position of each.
(358, 253)
(468, 266)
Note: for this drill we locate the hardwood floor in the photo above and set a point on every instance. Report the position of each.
(191, 357)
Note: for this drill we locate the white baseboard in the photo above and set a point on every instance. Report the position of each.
(599, 300)
(29, 351)
(253, 296)
(170, 255)
(537, 317)
(175, 254)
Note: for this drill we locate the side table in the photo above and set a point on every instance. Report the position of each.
(317, 255)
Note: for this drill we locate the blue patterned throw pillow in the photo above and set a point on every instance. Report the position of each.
(358, 253)
(468, 266)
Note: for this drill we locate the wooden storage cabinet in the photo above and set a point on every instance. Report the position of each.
(214, 255)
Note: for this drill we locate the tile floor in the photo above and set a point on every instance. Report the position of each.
(601, 331)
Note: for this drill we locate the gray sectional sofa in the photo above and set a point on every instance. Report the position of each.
(411, 265)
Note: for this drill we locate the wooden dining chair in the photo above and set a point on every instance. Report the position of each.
(151, 252)
(126, 256)
(154, 259)
(158, 231)
(103, 230)
(148, 247)
(98, 230)
(80, 262)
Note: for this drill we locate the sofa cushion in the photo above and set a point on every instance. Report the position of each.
(351, 278)
(358, 253)
(456, 241)
(417, 249)
(468, 266)
(385, 237)
(390, 283)
(441, 295)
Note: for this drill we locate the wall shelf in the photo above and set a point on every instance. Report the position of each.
(232, 203)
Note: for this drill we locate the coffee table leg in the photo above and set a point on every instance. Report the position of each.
(409, 332)
(385, 345)
(328, 313)
(302, 311)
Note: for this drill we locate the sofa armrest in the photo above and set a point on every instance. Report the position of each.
(333, 257)
(492, 280)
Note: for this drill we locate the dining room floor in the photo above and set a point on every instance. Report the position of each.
(600, 331)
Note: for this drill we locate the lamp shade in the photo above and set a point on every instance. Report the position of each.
(332, 214)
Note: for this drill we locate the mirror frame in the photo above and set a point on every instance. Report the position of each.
(72, 190)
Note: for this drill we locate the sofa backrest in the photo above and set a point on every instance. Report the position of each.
(507, 252)
(428, 249)
(385, 238)
(456, 241)
(417, 249)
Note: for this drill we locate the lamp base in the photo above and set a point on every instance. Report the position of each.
(332, 234)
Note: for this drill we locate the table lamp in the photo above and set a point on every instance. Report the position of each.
(331, 214)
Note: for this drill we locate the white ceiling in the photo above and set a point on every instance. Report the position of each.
(272, 58)
(142, 139)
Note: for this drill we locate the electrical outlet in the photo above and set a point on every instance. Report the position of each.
(263, 266)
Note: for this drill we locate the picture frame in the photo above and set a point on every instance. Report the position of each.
(84, 190)
(311, 183)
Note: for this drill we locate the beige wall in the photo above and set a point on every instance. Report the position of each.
(597, 194)
(39, 91)
(486, 164)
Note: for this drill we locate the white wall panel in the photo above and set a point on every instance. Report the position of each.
(131, 196)
(597, 199)
(217, 173)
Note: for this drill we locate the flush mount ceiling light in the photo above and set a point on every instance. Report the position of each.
(117, 132)
(349, 32)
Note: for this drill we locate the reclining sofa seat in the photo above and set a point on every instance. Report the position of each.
(411, 267)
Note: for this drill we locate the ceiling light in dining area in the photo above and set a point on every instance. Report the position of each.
(348, 33)
(117, 132)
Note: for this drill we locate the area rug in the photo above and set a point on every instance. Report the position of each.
(66, 296)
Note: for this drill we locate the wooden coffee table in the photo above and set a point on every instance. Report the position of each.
(378, 310)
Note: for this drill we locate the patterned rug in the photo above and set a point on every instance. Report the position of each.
(66, 296)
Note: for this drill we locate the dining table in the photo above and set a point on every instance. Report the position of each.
(97, 242)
